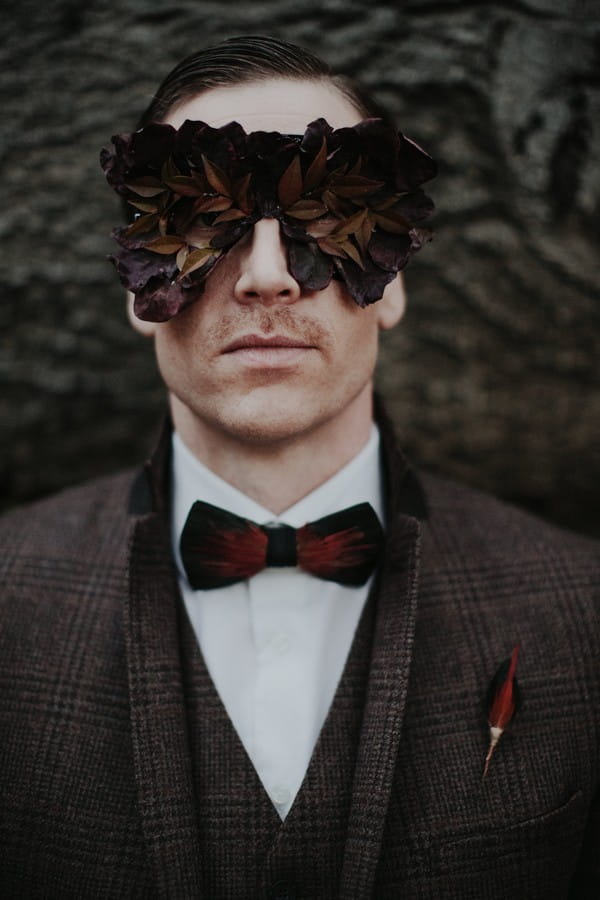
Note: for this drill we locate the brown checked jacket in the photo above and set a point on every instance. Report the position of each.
(121, 775)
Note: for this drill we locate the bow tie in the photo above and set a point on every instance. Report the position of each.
(219, 548)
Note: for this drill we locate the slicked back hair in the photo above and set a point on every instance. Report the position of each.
(242, 60)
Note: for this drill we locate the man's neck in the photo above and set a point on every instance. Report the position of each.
(278, 474)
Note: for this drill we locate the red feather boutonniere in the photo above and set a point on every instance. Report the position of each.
(502, 702)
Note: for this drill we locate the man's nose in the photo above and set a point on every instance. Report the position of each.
(264, 276)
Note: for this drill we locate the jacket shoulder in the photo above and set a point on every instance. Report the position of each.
(484, 520)
(81, 524)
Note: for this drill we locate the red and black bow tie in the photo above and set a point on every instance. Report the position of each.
(219, 548)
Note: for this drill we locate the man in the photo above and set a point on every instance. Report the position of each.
(187, 709)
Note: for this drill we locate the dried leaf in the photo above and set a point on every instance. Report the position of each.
(166, 245)
(196, 259)
(143, 207)
(321, 227)
(332, 248)
(181, 257)
(200, 236)
(230, 215)
(290, 184)
(352, 186)
(242, 195)
(142, 225)
(212, 204)
(351, 224)
(317, 169)
(391, 221)
(353, 252)
(333, 204)
(306, 209)
(146, 187)
(185, 186)
(217, 177)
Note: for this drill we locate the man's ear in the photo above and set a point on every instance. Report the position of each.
(390, 308)
(147, 329)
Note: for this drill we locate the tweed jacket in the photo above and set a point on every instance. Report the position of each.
(102, 701)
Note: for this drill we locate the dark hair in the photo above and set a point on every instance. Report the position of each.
(250, 58)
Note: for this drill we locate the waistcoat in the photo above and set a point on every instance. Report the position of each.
(246, 850)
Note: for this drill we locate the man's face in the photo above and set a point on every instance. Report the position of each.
(256, 359)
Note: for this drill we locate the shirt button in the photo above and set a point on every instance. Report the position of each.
(280, 795)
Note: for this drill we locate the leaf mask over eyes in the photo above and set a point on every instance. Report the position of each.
(348, 201)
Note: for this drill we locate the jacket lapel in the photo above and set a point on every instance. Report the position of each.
(388, 676)
(160, 740)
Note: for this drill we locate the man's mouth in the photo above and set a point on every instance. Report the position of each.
(270, 352)
(257, 341)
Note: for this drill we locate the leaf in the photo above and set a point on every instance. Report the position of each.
(290, 184)
(306, 209)
(334, 204)
(230, 215)
(352, 251)
(166, 245)
(391, 221)
(185, 186)
(181, 257)
(217, 177)
(355, 186)
(321, 227)
(316, 171)
(146, 187)
(241, 194)
(330, 247)
(143, 207)
(200, 236)
(142, 225)
(212, 204)
(351, 224)
(169, 170)
(196, 259)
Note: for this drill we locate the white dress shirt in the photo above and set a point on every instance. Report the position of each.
(275, 644)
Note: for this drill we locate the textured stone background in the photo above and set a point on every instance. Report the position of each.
(492, 377)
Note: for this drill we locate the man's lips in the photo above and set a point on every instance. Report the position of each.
(273, 342)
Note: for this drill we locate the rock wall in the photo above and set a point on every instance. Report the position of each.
(493, 375)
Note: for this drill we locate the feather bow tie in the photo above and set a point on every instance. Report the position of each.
(219, 548)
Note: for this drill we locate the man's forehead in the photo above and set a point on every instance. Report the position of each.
(284, 105)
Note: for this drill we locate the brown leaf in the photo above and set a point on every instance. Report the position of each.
(392, 222)
(230, 215)
(316, 170)
(217, 177)
(290, 183)
(146, 187)
(352, 252)
(355, 186)
(196, 259)
(200, 236)
(330, 247)
(241, 194)
(212, 204)
(351, 224)
(186, 187)
(166, 245)
(142, 225)
(321, 227)
(306, 209)
(181, 257)
(169, 170)
(334, 204)
(143, 207)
